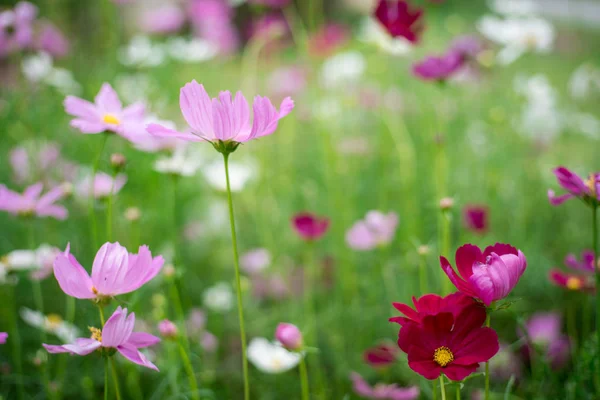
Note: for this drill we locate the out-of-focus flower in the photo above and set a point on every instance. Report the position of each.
(44, 259)
(467, 46)
(373, 32)
(446, 203)
(272, 30)
(132, 214)
(16, 28)
(584, 81)
(167, 329)
(182, 162)
(397, 18)
(515, 7)
(103, 185)
(289, 336)
(310, 226)
(52, 41)
(196, 321)
(450, 345)
(271, 358)
(489, 275)
(141, 52)
(212, 20)
(192, 50)
(218, 298)
(134, 270)
(39, 68)
(239, 175)
(3, 337)
(542, 118)
(382, 391)
(381, 356)
(45, 160)
(106, 114)
(147, 142)
(342, 69)
(518, 35)
(587, 190)
(476, 218)
(505, 364)
(375, 230)
(32, 202)
(287, 81)
(209, 342)
(166, 18)
(544, 332)
(328, 40)
(583, 280)
(438, 68)
(255, 261)
(116, 334)
(51, 323)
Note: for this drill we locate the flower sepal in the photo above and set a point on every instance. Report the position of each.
(102, 301)
(108, 351)
(225, 147)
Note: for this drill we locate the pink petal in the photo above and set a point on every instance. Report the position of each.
(141, 268)
(81, 108)
(55, 211)
(197, 109)
(51, 196)
(33, 192)
(134, 111)
(460, 284)
(558, 200)
(108, 101)
(142, 339)
(89, 127)
(222, 110)
(118, 328)
(359, 237)
(133, 355)
(163, 132)
(466, 257)
(110, 266)
(71, 277)
(82, 347)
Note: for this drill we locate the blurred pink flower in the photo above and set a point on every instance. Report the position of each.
(104, 184)
(382, 355)
(382, 391)
(255, 260)
(289, 336)
(397, 18)
(16, 28)
(212, 20)
(106, 114)
(476, 218)
(583, 280)
(273, 29)
(167, 329)
(328, 40)
(31, 203)
(19, 162)
(310, 226)
(45, 256)
(43, 162)
(588, 190)
(52, 41)
(3, 337)
(196, 321)
(544, 331)
(505, 364)
(223, 119)
(209, 342)
(167, 18)
(377, 229)
(116, 334)
(287, 81)
(438, 68)
(114, 272)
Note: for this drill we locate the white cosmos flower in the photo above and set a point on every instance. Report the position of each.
(51, 323)
(271, 358)
(514, 7)
(373, 33)
(343, 68)
(585, 79)
(517, 35)
(219, 297)
(141, 52)
(190, 50)
(239, 175)
(38, 68)
(182, 162)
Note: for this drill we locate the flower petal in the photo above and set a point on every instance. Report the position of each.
(142, 339)
(133, 354)
(107, 100)
(118, 328)
(109, 268)
(197, 109)
(164, 132)
(72, 277)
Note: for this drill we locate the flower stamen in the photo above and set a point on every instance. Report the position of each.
(96, 333)
(111, 119)
(443, 356)
(574, 283)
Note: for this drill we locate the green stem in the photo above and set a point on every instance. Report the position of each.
(304, 380)
(457, 391)
(105, 377)
(434, 389)
(92, 211)
(189, 370)
(101, 311)
(237, 281)
(422, 274)
(442, 387)
(445, 247)
(15, 340)
(115, 378)
(487, 364)
(109, 208)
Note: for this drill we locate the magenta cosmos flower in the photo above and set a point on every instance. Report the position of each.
(32, 203)
(382, 391)
(583, 279)
(114, 272)
(3, 337)
(310, 226)
(118, 335)
(289, 336)
(438, 68)
(377, 229)
(431, 304)
(106, 114)
(399, 20)
(588, 190)
(381, 356)
(489, 275)
(476, 218)
(223, 120)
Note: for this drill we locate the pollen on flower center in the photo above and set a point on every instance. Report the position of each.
(111, 119)
(443, 356)
(94, 290)
(96, 333)
(574, 283)
(590, 182)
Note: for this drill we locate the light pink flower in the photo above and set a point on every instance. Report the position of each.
(44, 161)
(255, 260)
(52, 41)
(16, 28)
(544, 331)
(106, 114)
(377, 229)
(209, 342)
(167, 329)
(104, 184)
(32, 203)
(117, 334)
(212, 20)
(3, 337)
(163, 19)
(289, 336)
(114, 272)
(382, 391)
(223, 119)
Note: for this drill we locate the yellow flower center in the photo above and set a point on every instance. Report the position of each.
(96, 333)
(4, 260)
(53, 321)
(277, 364)
(574, 283)
(443, 356)
(590, 182)
(531, 41)
(111, 119)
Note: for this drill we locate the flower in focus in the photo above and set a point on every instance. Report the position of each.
(476, 218)
(167, 329)
(116, 334)
(106, 114)
(382, 391)
(114, 271)
(381, 356)
(544, 332)
(271, 358)
(224, 119)
(505, 364)
(583, 280)
(255, 261)
(3, 337)
(51, 323)
(327, 40)
(310, 226)
(289, 336)
(489, 275)
(33, 203)
(396, 17)
(438, 68)
(218, 298)
(444, 344)
(588, 190)
(104, 184)
(377, 229)
(431, 304)
(182, 162)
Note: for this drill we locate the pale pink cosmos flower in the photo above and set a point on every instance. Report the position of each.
(255, 260)
(382, 391)
(104, 184)
(212, 20)
(223, 119)
(40, 163)
(52, 41)
(115, 271)
(377, 229)
(117, 334)
(16, 28)
(209, 342)
(106, 114)
(3, 337)
(167, 328)
(163, 19)
(289, 336)
(32, 202)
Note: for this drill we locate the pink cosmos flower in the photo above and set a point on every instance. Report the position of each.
(16, 28)
(106, 114)
(212, 20)
(289, 336)
(399, 20)
(327, 40)
(438, 68)
(116, 334)
(3, 337)
(476, 218)
(44, 161)
(163, 19)
(255, 260)
(377, 229)
(104, 184)
(588, 190)
(223, 119)
(583, 280)
(381, 356)
(287, 81)
(32, 203)
(273, 29)
(382, 391)
(309, 226)
(489, 275)
(114, 272)
(167, 329)
(52, 41)
(544, 331)
(209, 342)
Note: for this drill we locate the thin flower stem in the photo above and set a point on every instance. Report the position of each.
(189, 370)
(237, 281)
(92, 211)
(109, 208)
(445, 247)
(423, 274)
(101, 310)
(458, 391)
(487, 364)
(304, 380)
(115, 378)
(105, 377)
(15, 340)
(442, 387)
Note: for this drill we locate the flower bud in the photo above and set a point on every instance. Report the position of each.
(132, 214)
(118, 161)
(446, 203)
(167, 329)
(289, 336)
(423, 250)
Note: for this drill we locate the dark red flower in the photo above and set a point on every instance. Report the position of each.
(310, 226)
(381, 356)
(444, 344)
(475, 218)
(398, 20)
(431, 304)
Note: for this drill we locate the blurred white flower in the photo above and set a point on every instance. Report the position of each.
(182, 162)
(255, 260)
(584, 123)
(239, 175)
(38, 68)
(50, 323)
(585, 79)
(514, 7)
(134, 87)
(517, 35)
(190, 50)
(372, 32)
(343, 68)
(271, 358)
(327, 108)
(218, 298)
(141, 52)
